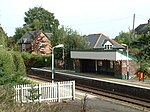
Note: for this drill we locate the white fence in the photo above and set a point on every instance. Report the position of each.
(53, 92)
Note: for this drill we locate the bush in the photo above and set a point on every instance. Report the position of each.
(19, 67)
(8, 104)
(33, 60)
(6, 62)
(12, 68)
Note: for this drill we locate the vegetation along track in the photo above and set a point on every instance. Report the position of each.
(139, 103)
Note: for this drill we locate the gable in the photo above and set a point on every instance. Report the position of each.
(107, 43)
(28, 37)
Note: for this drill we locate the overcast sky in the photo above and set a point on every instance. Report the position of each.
(86, 16)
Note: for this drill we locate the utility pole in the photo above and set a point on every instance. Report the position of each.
(133, 32)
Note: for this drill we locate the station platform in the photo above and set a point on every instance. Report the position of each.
(133, 81)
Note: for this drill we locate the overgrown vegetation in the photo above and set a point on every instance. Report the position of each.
(139, 46)
(8, 104)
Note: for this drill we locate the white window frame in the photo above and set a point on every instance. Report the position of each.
(108, 45)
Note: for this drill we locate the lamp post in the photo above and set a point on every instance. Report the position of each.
(128, 74)
(58, 46)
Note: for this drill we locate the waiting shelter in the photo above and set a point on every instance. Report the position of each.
(105, 59)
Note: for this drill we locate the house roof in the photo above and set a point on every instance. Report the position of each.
(28, 37)
(98, 41)
(142, 28)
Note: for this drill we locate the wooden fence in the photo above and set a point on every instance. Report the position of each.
(53, 92)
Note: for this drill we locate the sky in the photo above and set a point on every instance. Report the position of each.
(109, 17)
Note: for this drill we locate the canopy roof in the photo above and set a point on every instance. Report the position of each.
(101, 55)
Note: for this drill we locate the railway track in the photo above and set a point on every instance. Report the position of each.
(130, 101)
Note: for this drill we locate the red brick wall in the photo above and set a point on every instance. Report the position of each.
(36, 45)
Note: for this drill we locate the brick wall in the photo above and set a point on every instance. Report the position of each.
(37, 47)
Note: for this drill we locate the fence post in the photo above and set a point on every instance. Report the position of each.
(58, 91)
(73, 90)
(21, 99)
(40, 92)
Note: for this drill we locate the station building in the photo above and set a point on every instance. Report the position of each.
(105, 56)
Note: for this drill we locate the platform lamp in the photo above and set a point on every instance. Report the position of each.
(128, 74)
(58, 46)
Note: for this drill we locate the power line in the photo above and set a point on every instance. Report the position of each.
(105, 21)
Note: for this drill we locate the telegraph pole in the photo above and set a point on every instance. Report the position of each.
(133, 32)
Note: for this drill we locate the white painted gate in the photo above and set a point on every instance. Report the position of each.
(53, 92)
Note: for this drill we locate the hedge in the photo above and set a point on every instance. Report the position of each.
(33, 60)
(12, 68)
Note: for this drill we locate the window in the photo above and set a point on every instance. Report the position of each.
(111, 64)
(108, 45)
(42, 45)
(23, 47)
(100, 63)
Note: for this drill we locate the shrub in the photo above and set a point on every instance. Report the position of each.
(12, 68)
(6, 62)
(19, 67)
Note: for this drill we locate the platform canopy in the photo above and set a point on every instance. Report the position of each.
(114, 55)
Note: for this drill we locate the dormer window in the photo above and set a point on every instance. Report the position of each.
(108, 45)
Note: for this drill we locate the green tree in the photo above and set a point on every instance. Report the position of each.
(72, 40)
(139, 47)
(124, 38)
(20, 31)
(37, 18)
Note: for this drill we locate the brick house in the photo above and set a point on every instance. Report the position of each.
(105, 56)
(36, 42)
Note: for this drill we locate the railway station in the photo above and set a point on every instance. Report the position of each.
(105, 57)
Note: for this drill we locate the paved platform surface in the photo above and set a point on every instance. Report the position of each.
(134, 81)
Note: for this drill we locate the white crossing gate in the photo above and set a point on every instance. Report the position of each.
(53, 92)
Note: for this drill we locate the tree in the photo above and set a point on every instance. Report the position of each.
(138, 47)
(72, 41)
(20, 31)
(124, 38)
(37, 18)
